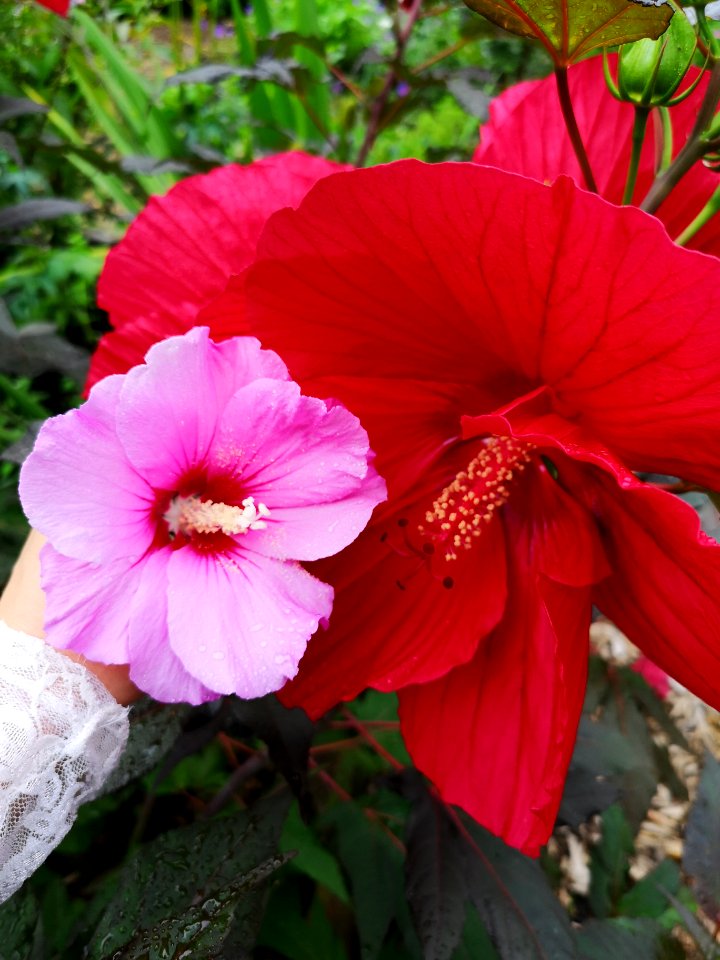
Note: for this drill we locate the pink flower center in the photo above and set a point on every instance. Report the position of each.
(457, 517)
(188, 515)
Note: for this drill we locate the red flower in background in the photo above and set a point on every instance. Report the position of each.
(61, 7)
(526, 134)
(179, 253)
(514, 352)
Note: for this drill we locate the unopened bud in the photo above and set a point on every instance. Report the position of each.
(650, 71)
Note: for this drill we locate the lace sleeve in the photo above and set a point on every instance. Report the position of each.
(61, 734)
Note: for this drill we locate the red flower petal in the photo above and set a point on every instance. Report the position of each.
(526, 134)
(496, 735)
(663, 592)
(473, 276)
(395, 621)
(663, 571)
(182, 249)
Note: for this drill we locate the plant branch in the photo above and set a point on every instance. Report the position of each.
(357, 725)
(378, 107)
(693, 149)
(561, 78)
(638, 138)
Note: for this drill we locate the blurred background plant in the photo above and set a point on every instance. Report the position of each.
(97, 113)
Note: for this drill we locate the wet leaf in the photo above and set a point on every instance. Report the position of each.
(570, 29)
(154, 728)
(184, 891)
(452, 860)
(20, 928)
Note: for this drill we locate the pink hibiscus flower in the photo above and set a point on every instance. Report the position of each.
(183, 247)
(177, 502)
(526, 134)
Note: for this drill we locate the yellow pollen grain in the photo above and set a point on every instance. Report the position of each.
(475, 495)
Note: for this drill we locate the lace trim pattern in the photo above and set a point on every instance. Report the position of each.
(61, 734)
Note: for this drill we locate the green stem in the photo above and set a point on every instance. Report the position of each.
(573, 130)
(197, 15)
(694, 148)
(706, 214)
(707, 33)
(176, 34)
(663, 140)
(638, 138)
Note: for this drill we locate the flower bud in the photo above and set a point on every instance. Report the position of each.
(650, 71)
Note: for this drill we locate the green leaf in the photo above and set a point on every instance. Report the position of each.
(20, 928)
(623, 939)
(701, 852)
(184, 891)
(375, 867)
(648, 898)
(295, 931)
(476, 943)
(570, 29)
(311, 857)
(609, 862)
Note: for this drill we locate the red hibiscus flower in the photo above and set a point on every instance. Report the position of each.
(517, 352)
(526, 134)
(61, 7)
(181, 250)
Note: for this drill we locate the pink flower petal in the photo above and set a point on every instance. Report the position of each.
(154, 667)
(306, 460)
(79, 489)
(169, 408)
(240, 623)
(86, 605)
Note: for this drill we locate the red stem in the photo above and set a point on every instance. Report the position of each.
(563, 88)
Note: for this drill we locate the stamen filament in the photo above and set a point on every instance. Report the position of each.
(193, 515)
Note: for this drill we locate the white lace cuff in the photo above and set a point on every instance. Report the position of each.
(61, 734)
